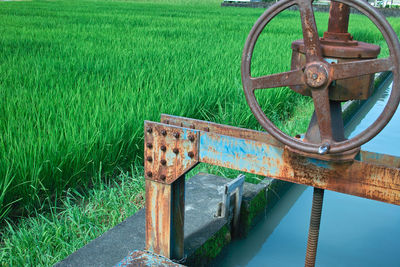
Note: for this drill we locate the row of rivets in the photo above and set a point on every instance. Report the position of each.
(175, 134)
(164, 148)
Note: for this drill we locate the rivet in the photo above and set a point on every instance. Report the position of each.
(191, 154)
(164, 132)
(149, 130)
(191, 138)
(166, 121)
(149, 145)
(163, 148)
(162, 177)
(149, 159)
(192, 126)
(176, 135)
(149, 174)
(175, 150)
(206, 129)
(163, 162)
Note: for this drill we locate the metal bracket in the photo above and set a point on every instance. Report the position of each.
(232, 189)
(170, 151)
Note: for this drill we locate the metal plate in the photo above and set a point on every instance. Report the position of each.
(169, 152)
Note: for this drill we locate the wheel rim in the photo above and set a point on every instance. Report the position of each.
(336, 147)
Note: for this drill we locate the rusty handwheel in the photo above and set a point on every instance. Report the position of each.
(318, 74)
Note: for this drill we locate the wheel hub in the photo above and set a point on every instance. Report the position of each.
(316, 75)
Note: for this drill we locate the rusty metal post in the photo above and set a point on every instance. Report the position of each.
(165, 204)
(170, 152)
(338, 18)
(313, 232)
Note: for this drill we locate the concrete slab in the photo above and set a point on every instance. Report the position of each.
(110, 248)
(205, 235)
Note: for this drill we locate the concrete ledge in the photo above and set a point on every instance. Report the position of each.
(205, 235)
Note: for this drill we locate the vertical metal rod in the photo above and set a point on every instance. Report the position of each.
(338, 17)
(313, 232)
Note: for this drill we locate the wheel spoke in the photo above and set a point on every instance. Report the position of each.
(322, 110)
(359, 68)
(310, 32)
(289, 78)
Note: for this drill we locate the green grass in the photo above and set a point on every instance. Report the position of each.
(77, 80)
(48, 238)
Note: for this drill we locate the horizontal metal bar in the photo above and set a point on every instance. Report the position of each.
(264, 137)
(364, 179)
(220, 129)
(372, 175)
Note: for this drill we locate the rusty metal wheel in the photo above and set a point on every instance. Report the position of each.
(318, 74)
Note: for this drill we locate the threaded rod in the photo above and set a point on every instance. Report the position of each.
(313, 232)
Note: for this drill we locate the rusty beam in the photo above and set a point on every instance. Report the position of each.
(207, 126)
(371, 175)
(165, 205)
(369, 180)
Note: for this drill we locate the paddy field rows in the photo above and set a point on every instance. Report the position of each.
(78, 78)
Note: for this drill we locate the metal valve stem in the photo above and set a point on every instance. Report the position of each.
(313, 232)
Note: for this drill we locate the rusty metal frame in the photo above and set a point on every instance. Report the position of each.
(371, 175)
(170, 152)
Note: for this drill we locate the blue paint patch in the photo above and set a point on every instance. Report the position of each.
(241, 154)
(320, 163)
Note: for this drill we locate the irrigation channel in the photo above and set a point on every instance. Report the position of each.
(354, 231)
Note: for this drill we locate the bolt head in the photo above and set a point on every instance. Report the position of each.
(191, 154)
(176, 135)
(149, 159)
(163, 162)
(149, 145)
(149, 174)
(164, 132)
(324, 149)
(175, 150)
(163, 148)
(149, 130)
(191, 138)
(316, 75)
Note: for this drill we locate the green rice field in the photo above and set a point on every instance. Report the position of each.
(78, 78)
